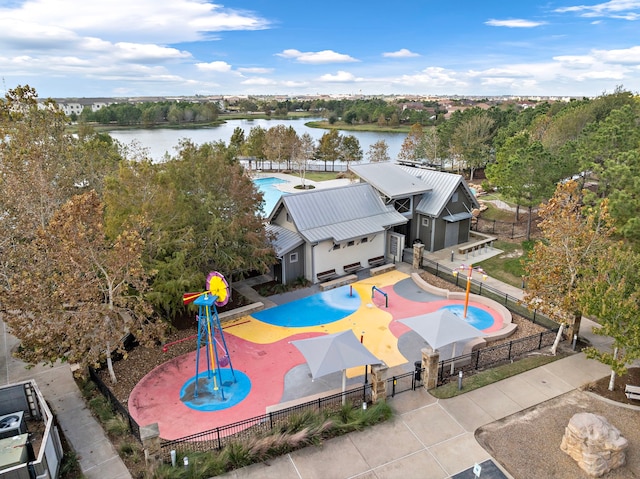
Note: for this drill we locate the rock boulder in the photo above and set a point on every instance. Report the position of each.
(594, 444)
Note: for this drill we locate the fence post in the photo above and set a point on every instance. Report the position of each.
(430, 361)
(510, 344)
(150, 437)
(540, 342)
(378, 382)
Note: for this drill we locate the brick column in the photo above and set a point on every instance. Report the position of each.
(150, 438)
(430, 360)
(378, 382)
(418, 251)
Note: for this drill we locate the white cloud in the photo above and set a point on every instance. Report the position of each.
(136, 52)
(340, 76)
(221, 67)
(324, 56)
(140, 21)
(402, 53)
(626, 56)
(612, 9)
(514, 23)
(256, 70)
(432, 77)
(259, 81)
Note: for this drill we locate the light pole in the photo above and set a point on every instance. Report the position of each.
(469, 269)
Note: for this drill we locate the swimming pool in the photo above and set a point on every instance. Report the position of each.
(270, 193)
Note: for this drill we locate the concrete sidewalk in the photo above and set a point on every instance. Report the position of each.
(430, 438)
(98, 459)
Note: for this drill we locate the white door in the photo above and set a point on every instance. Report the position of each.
(396, 246)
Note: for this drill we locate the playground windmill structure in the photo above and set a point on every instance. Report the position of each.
(210, 333)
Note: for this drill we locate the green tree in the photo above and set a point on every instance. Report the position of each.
(610, 292)
(329, 147)
(525, 172)
(255, 144)
(278, 146)
(472, 140)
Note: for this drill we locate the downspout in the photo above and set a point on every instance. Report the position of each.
(283, 269)
(313, 263)
(433, 234)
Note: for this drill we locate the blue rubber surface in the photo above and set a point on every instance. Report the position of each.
(322, 308)
(235, 387)
(476, 317)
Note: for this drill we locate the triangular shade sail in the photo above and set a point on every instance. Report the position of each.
(442, 328)
(334, 352)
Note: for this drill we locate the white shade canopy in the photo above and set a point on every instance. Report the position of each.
(442, 328)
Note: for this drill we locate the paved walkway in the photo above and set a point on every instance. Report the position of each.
(98, 459)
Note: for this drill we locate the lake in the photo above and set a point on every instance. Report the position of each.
(159, 141)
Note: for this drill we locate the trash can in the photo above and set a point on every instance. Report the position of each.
(418, 371)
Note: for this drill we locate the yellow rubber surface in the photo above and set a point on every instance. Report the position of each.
(369, 321)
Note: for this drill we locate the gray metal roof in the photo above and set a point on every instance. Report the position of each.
(341, 214)
(389, 180)
(284, 240)
(443, 186)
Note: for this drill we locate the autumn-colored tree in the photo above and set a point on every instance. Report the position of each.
(79, 294)
(609, 291)
(410, 149)
(329, 147)
(378, 152)
(303, 152)
(278, 145)
(573, 235)
(350, 150)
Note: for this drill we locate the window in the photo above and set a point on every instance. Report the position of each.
(454, 197)
(364, 240)
(336, 246)
(288, 218)
(293, 258)
(403, 205)
(425, 222)
(351, 243)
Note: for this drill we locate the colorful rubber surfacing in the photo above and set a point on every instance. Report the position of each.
(260, 347)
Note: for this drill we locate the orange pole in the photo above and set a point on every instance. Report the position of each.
(466, 298)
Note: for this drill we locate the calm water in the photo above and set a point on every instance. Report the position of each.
(160, 141)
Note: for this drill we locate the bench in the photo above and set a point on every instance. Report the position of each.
(377, 261)
(326, 275)
(382, 269)
(352, 268)
(336, 283)
(632, 392)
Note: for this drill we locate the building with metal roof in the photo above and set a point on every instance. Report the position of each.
(325, 233)
(438, 205)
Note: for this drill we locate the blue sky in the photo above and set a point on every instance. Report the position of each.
(88, 48)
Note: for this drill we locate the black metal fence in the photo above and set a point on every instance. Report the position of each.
(506, 229)
(485, 358)
(405, 382)
(513, 304)
(117, 405)
(217, 438)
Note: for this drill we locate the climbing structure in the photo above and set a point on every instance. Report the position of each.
(210, 333)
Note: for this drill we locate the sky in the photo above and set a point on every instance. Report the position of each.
(124, 48)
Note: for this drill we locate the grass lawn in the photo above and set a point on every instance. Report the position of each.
(490, 376)
(507, 267)
(321, 175)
